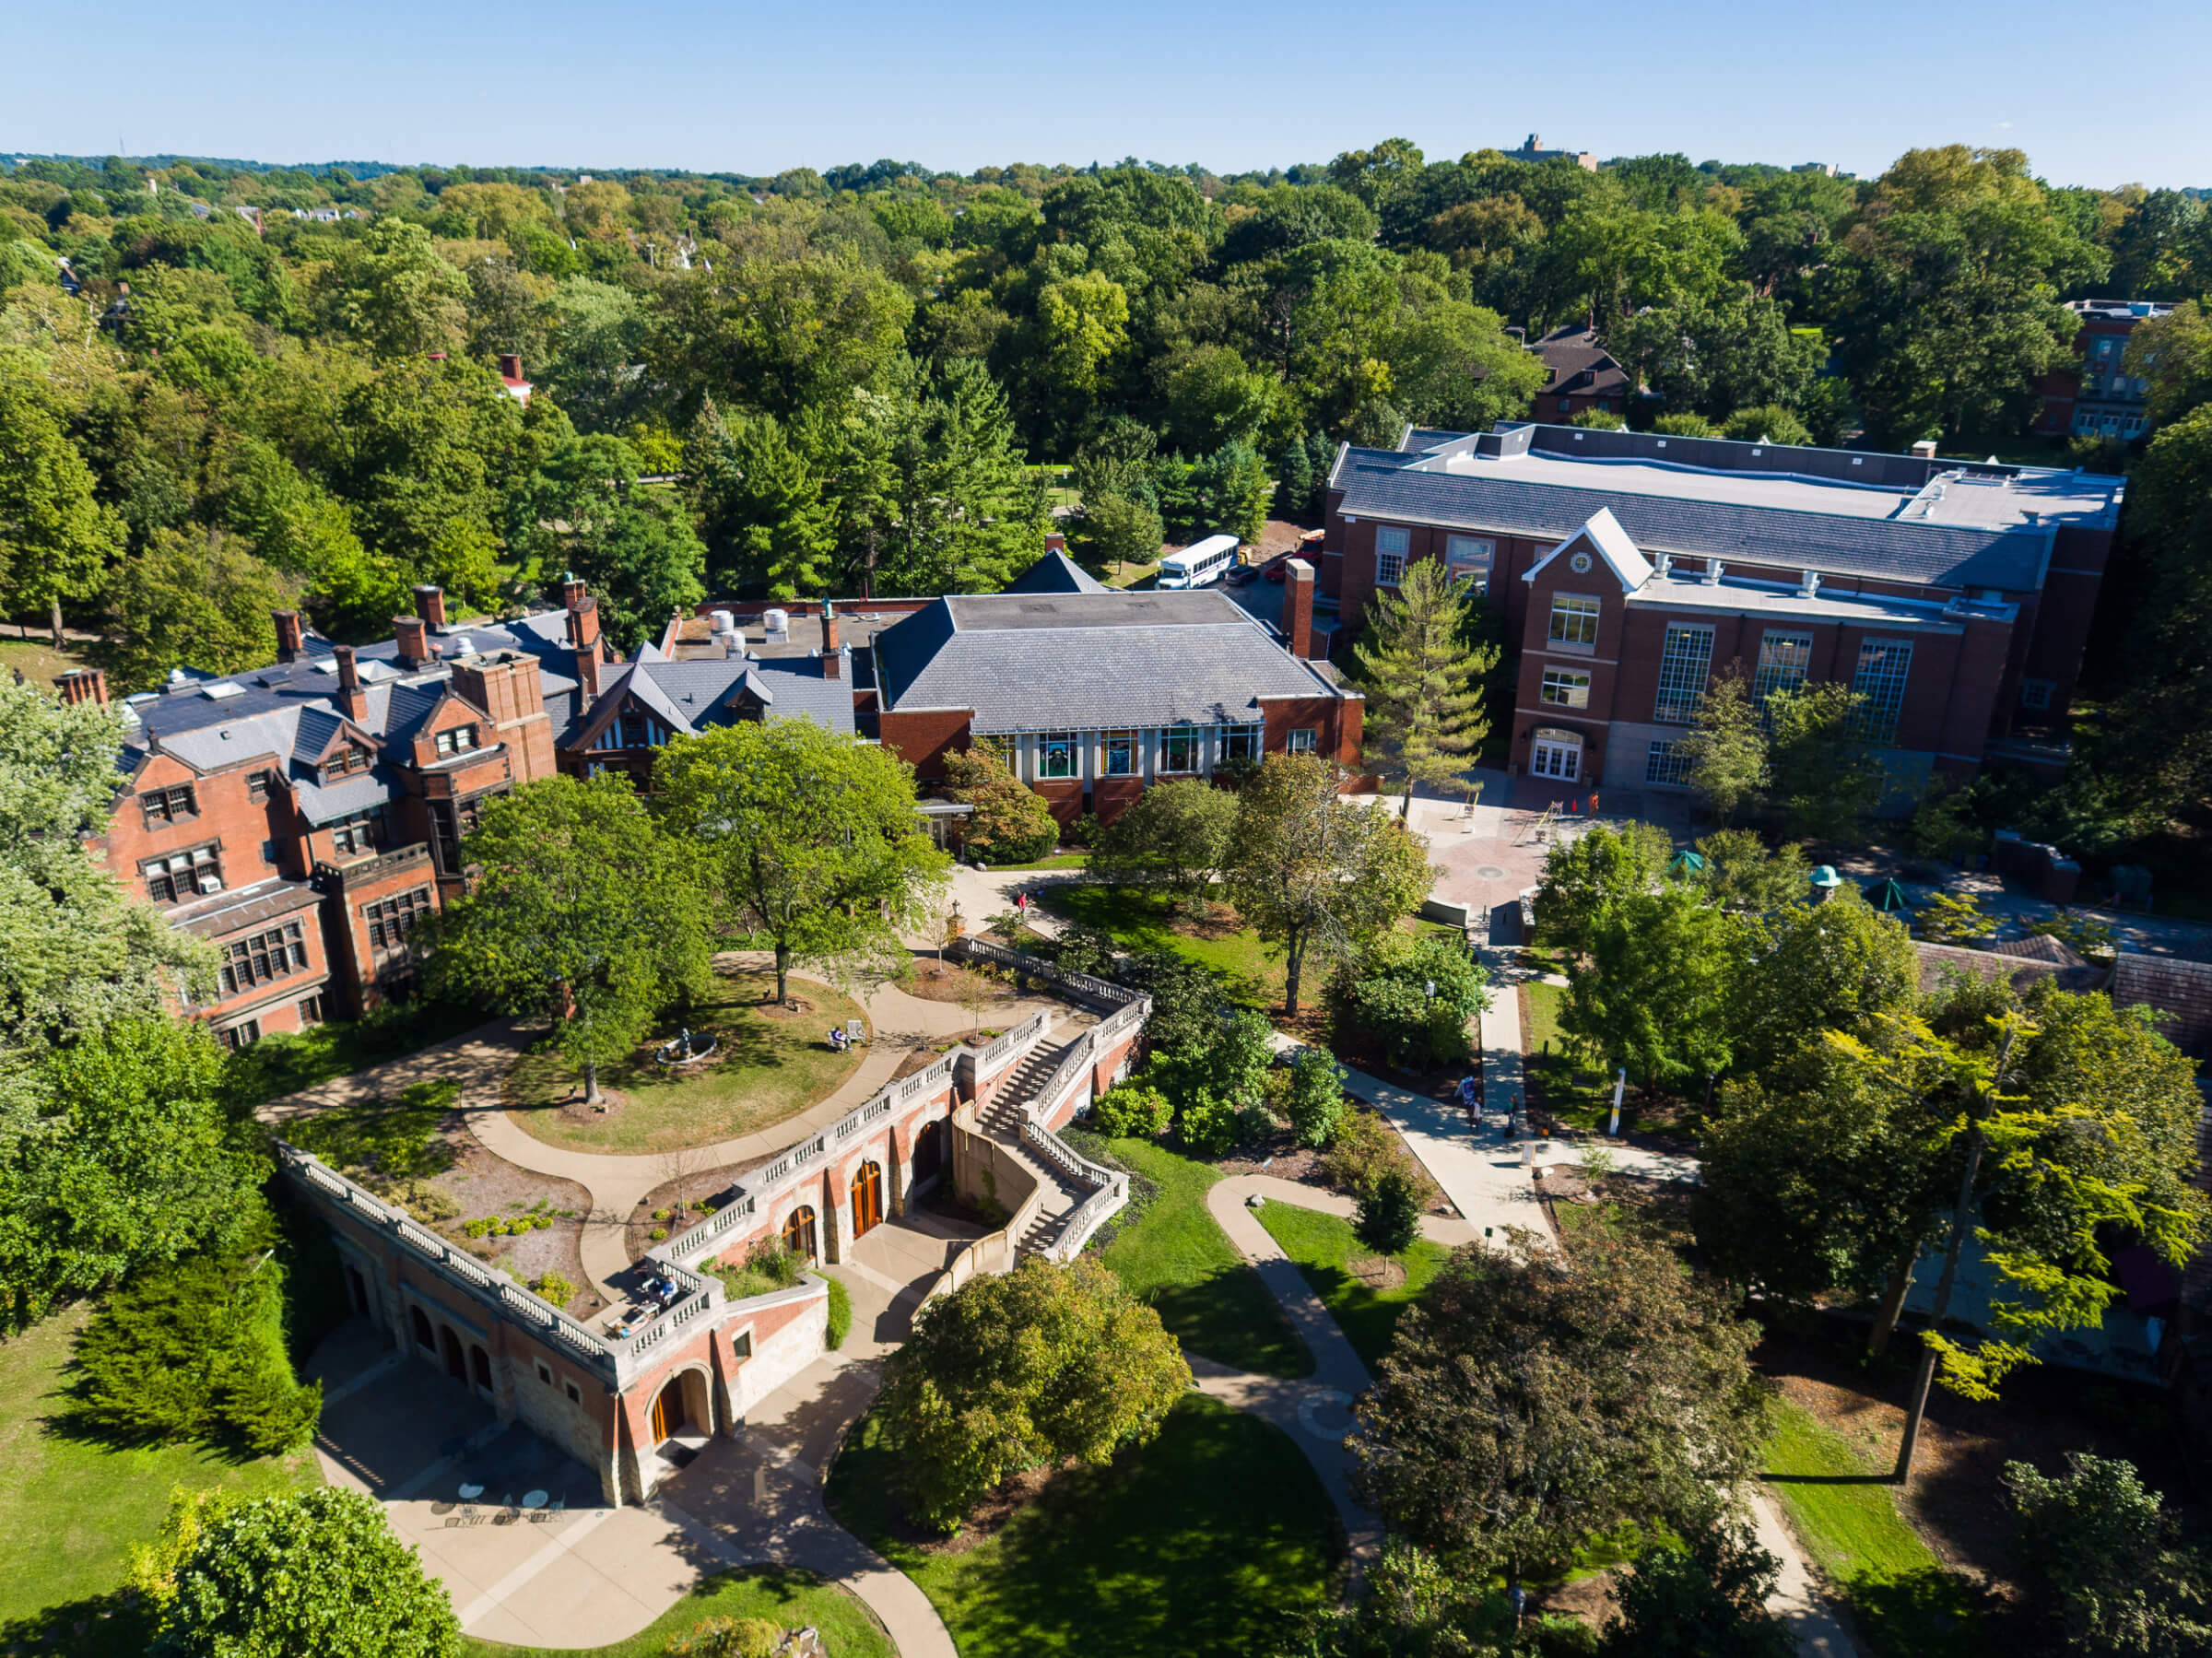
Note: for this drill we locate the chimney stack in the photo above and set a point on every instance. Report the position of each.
(351, 697)
(571, 592)
(1056, 541)
(1924, 450)
(511, 365)
(829, 630)
(430, 604)
(583, 634)
(83, 685)
(1298, 607)
(291, 638)
(413, 638)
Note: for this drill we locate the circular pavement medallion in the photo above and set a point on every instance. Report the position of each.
(1489, 871)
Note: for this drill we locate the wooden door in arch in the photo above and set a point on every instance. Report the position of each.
(798, 1232)
(867, 1199)
(669, 1409)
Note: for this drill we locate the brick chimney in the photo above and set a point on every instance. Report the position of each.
(430, 604)
(1298, 607)
(351, 697)
(291, 637)
(583, 634)
(83, 685)
(1056, 541)
(828, 628)
(511, 365)
(413, 637)
(571, 592)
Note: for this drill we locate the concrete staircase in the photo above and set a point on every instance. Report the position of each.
(1002, 1120)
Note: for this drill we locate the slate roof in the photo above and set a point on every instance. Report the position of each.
(694, 696)
(1579, 366)
(1378, 484)
(2041, 947)
(2179, 992)
(1084, 662)
(1055, 572)
(1937, 960)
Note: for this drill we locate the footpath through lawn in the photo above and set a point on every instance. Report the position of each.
(783, 1595)
(1215, 1538)
(1325, 1247)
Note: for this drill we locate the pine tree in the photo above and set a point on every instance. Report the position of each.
(1423, 678)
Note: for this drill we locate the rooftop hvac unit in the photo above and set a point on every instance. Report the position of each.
(778, 624)
(724, 622)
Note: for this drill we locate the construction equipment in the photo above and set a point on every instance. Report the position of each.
(1546, 824)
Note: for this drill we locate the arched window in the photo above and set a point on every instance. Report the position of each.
(668, 1412)
(867, 1198)
(450, 1344)
(929, 1149)
(480, 1364)
(423, 1338)
(798, 1232)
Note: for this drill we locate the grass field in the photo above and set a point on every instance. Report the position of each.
(1581, 1106)
(1175, 1256)
(769, 1069)
(71, 1508)
(1140, 920)
(1845, 1512)
(1325, 1246)
(39, 662)
(285, 1062)
(781, 1594)
(1059, 860)
(1214, 1538)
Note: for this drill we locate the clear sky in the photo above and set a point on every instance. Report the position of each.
(2094, 97)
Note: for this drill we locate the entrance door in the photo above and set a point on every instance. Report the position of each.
(929, 1149)
(668, 1410)
(1562, 761)
(798, 1232)
(867, 1199)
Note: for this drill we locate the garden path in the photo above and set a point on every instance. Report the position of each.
(478, 1062)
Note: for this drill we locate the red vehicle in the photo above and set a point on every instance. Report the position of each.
(1278, 568)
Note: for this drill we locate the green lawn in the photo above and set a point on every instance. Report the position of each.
(71, 1508)
(1215, 1538)
(1845, 1512)
(1175, 1256)
(1059, 860)
(40, 663)
(769, 1069)
(1324, 1247)
(1137, 919)
(285, 1064)
(1583, 1107)
(781, 1594)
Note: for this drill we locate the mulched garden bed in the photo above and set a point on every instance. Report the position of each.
(707, 1185)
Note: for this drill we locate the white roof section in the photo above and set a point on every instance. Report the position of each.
(1603, 536)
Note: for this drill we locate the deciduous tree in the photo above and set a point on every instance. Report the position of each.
(1175, 833)
(808, 837)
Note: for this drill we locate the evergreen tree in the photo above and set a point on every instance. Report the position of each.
(1423, 678)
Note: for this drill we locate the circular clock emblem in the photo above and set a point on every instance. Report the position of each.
(1580, 563)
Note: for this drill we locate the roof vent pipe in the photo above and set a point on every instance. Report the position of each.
(1714, 568)
(1810, 586)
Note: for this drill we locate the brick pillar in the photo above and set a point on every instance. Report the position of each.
(430, 604)
(1298, 607)
(83, 685)
(413, 637)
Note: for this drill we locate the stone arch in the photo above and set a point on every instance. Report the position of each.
(420, 1324)
(683, 1399)
(448, 1346)
(802, 1232)
(868, 1197)
(356, 1289)
(929, 1154)
(479, 1366)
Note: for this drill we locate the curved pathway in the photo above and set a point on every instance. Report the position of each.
(617, 1183)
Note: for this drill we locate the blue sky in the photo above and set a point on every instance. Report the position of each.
(961, 85)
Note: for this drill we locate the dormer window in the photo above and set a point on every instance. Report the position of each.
(458, 739)
(345, 762)
(161, 807)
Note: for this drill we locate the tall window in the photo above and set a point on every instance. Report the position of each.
(272, 955)
(1120, 753)
(1179, 751)
(1468, 558)
(638, 731)
(392, 919)
(1574, 622)
(1241, 742)
(1667, 764)
(1390, 543)
(1884, 665)
(163, 806)
(1056, 753)
(1683, 662)
(1566, 687)
(180, 876)
(1784, 659)
(1300, 741)
(258, 785)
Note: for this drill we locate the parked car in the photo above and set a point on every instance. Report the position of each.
(1240, 574)
(1278, 568)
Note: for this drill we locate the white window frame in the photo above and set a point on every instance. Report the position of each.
(1664, 766)
(1882, 686)
(1306, 739)
(1065, 742)
(1565, 687)
(1393, 542)
(1685, 665)
(1574, 615)
(1131, 754)
(1179, 733)
(1471, 558)
(1557, 757)
(1246, 742)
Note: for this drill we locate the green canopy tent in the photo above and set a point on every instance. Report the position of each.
(1889, 898)
(1687, 865)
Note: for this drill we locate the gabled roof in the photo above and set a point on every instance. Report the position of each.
(1062, 661)
(1055, 572)
(1937, 960)
(1604, 537)
(1580, 365)
(2178, 993)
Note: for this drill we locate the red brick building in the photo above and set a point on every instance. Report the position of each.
(2090, 397)
(1632, 567)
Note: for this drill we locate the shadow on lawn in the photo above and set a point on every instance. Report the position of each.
(1922, 1613)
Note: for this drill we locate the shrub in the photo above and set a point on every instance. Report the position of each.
(1707, 1597)
(1256, 1126)
(841, 1313)
(1024, 1370)
(1208, 1125)
(660, 1215)
(1314, 1100)
(1132, 1110)
(1390, 1217)
(195, 1350)
(554, 1289)
(1365, 1149)
(1414, 997)
(657, 1233)
(2107, 1555)
(727, 1638)
(1010, 824)
(769, 1267)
